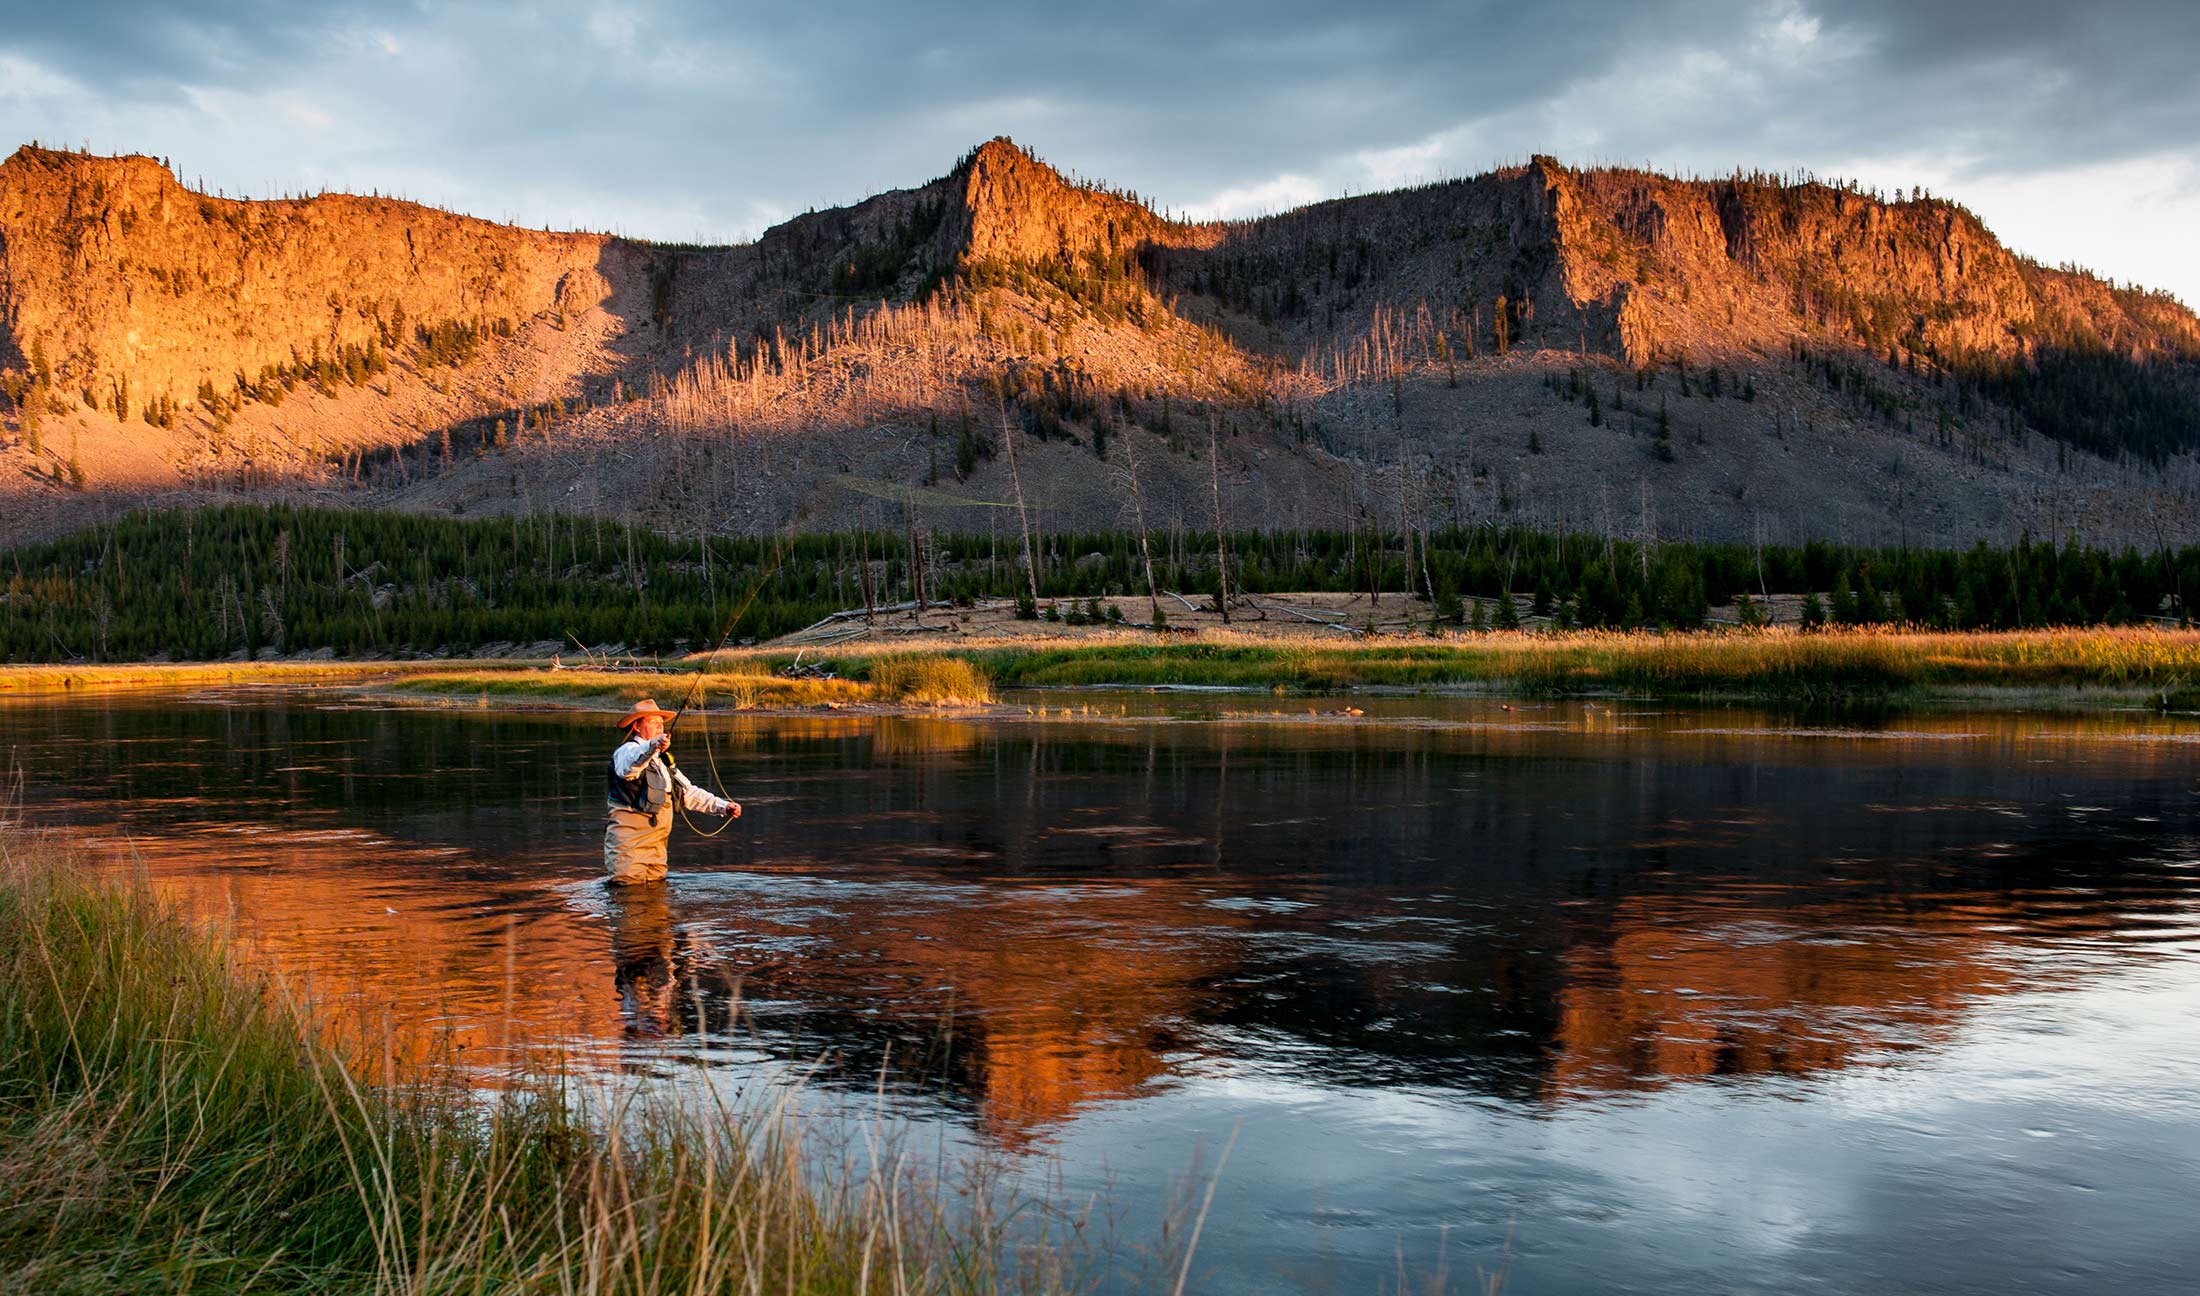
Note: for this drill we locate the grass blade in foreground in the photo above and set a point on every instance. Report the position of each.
(171, 1119)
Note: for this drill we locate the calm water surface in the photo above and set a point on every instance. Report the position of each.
(1615, 999)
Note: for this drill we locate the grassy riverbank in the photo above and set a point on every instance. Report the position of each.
(733, 681)
(730, 683)
(1765, 664)
(2123, 666)
(70, 677)
(171, 1119)
(2120, 664)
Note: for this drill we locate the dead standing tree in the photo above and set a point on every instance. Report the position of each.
(1222, 556)
(1128, 472)
(1023, 516)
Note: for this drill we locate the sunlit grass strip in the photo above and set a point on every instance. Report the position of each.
(1767, 663)
(735, 683)
(47, 679)
(171, 1119)
(931, 679)
(721, 690)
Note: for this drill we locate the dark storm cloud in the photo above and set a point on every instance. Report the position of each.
(2045, 83)
(679, 118)
(152, 50)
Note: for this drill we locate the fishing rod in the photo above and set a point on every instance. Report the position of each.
(779, 555)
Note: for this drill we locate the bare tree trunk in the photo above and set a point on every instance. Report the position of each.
(863, 572)
(1757, 534)
(916, 566)
(1023, 516)
(1646, 534)
(1405, 524)
(1428, 578)
(1222, 558)
(1374, 558)
(1138, 513)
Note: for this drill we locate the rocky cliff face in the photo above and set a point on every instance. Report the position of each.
(111, 271)
(1892, 351)
(1009, 206)
(1698, 266)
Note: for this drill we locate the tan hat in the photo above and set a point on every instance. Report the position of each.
(645, 707)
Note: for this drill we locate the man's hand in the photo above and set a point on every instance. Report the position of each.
(732, 810)
(662, 742)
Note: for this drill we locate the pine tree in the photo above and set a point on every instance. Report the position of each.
(966, 450)
(1844, 600)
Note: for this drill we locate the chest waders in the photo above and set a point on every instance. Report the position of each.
(638, 820)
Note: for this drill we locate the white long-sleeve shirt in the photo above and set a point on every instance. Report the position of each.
(634, 757)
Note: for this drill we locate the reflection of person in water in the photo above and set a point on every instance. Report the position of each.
(642, 959)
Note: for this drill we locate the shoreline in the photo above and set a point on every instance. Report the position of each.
(2073, 670)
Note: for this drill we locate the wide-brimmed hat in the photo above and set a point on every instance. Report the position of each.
(645, 707)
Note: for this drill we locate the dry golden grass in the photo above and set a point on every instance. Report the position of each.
(1759, 663)
(54, 679)
(720, 690)
(930, 679)
(963, 671)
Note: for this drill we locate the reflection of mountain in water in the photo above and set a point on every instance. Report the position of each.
(1675, 992)
(1048, 917)
(1050, 999)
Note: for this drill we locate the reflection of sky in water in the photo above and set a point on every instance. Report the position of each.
(1702, 1001)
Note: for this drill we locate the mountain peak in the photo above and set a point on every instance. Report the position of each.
(1013, 207)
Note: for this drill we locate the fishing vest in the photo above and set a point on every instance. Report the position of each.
(646, 791)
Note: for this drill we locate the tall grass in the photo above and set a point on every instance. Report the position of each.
(1767, 663)
(930, 679)
(1773, 663)
(48, 679)
(721, 688)
(172, 1120)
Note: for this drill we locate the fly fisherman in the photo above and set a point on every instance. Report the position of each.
(641, 785)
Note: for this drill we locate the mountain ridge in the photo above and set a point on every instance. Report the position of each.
(1072, 313)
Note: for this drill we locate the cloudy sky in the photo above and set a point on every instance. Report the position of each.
(2073, 129)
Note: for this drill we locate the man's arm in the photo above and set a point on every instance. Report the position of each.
(697, 800)
(631, 754)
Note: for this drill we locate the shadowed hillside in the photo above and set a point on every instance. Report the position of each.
(1593, 350)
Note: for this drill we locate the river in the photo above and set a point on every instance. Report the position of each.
(1599, 997)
